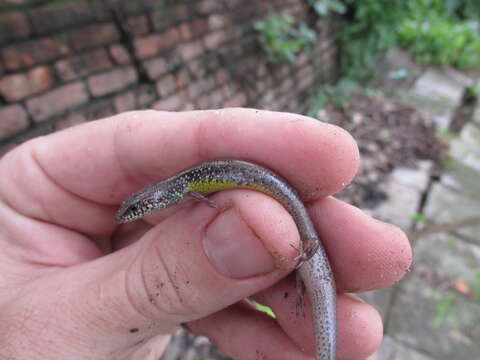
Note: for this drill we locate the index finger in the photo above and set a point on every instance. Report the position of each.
(99, 163)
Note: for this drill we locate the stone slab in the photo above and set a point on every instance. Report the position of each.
(457, 77)
(414, 322)
(447, 205)
(445, 258)
(415, 178)
(466, 148)
(462, 178)
(435, 84)
(476, 114)
(401, 205)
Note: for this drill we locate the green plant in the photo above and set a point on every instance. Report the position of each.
(474, 90)
(282, 38)
(438, 40)
(436, 31)
(464, 9)
(419, 218)
(330, 95)
(444, 306)
(370, 30)
(325, 7)
(444, 310)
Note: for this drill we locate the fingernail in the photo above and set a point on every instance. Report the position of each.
(234, 249)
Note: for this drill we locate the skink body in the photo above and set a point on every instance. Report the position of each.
(216, 175)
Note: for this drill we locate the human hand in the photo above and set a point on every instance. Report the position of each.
(75, 285)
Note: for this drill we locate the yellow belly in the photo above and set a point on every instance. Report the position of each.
(205, 187)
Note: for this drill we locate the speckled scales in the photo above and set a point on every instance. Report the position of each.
(217, 175)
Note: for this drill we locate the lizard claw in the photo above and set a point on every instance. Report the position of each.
(307, 250)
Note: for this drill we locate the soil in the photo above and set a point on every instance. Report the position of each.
(389, 134)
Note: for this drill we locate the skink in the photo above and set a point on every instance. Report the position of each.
(211, 176)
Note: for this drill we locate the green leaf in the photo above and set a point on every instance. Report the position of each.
(282, 38)
(265, 309)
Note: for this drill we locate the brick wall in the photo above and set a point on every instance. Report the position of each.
(63, 62)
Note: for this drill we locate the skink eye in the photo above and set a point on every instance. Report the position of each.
(133, 208)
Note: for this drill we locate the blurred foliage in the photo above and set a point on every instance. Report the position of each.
(419, 218)
(444, 308)
(474, 90)
(282, 38)
(369, 31)
(337, 95)
(325, 7)
(438, 40)
(444, 32)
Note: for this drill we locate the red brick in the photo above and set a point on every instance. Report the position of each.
(149, 46)
(19, 86)
(203, 102)
(120, 54)
(98, 109)
(261, 70)
(208, 6)
(174, 61)
(59, 15)
(155, 67)
(287, 84)
(199, 27)
(217, 21)
(188, 107)
(200, 87)
(211, 100)
(181, 79)
(145, 95)
(32, 52)
(69, 121)
(7, 3)
(233, 4)
(217, 98)
(197, 67)
(130, 7)
(13, 119)
(190, 50)
(239, 100)
(13, 25)
(112, 81)
(163, 19)
(301, 59)
(213, 40)
(84, 64)
(227, 90)
(124, 102)
(185, 32)
(57, 101)
(138, 25)
(172, 103)
(180, 12)
(93, 35)
(166, 85)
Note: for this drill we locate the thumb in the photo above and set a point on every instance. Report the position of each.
(195, 262)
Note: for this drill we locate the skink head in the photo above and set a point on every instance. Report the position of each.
(149, 199)
(130, 211)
